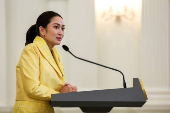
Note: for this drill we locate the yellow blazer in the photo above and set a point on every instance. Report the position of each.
(39, 73)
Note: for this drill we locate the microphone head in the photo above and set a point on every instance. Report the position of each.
(65, 48)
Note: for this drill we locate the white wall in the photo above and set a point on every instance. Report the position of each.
(2, 54)
(118, 46)
(82, 43)
(139, 48)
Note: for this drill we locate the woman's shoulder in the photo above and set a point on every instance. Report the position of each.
(29, 51)
(31, 48)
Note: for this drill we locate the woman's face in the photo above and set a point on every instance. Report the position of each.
(54, 32)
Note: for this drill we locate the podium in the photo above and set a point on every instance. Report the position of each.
(102, 101)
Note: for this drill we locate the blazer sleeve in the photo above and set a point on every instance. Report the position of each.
(29, 65)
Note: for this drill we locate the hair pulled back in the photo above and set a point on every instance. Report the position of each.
(43, 20)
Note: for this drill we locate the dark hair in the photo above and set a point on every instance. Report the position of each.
(43, 20)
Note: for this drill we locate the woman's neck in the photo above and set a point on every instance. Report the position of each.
(49, 45)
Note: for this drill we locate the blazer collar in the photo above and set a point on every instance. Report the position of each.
(54, 59)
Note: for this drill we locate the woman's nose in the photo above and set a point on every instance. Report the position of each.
(60, 32)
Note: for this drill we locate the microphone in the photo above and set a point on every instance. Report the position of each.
(67, 49)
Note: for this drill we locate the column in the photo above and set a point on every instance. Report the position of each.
(155, 44)
(155, 55)
(3, 54)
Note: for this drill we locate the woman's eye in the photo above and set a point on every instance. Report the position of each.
(56, 27)
(63, 28)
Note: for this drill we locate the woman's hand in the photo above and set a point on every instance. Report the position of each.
(74, 88)
(68, 88)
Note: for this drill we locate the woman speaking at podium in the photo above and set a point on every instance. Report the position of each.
(39, 71)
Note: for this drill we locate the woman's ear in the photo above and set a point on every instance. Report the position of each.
(42, 31)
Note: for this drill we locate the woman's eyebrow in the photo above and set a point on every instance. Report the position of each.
(58, 24)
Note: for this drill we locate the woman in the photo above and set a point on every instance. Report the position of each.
(39, 71)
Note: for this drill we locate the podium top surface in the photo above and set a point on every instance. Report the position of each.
(122, 97)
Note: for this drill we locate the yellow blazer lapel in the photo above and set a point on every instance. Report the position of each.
(58, 60)
(44, 49)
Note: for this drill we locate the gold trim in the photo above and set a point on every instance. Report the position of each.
(143, 89)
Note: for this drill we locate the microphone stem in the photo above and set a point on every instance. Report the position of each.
(124, 83)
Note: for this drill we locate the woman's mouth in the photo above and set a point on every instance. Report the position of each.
(59, 38)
